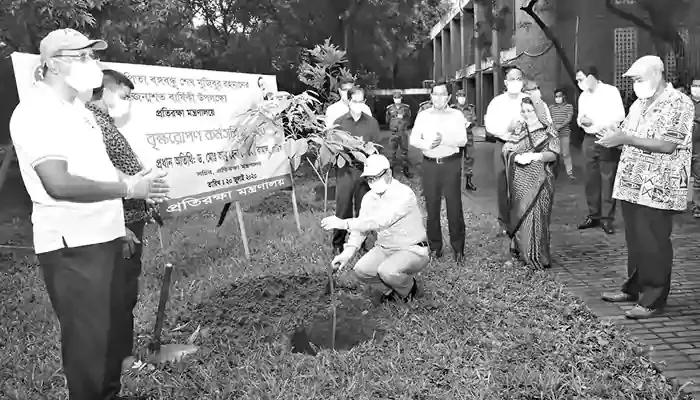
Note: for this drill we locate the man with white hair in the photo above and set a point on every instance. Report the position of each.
(651, 183)
(391, 210)
(77, 216)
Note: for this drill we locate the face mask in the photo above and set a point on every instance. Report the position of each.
(514, 87)
(558, 100)
(695, 92)
(379, 186)
(356, 108)
(119, 109)
(461, 100)
(644, 90)
(582, 85)
(84, 76)
(397, 101)
(439, 102)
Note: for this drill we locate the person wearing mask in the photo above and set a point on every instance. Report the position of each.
(468, 151)
(652, 183)
(77, 216)
(111, 102)
(398, 115)
(695, 166)
(562, 112)
(438, 133)
(599, 107)
(401, 251)
(342, 106)
(530, 156)
(350, 188)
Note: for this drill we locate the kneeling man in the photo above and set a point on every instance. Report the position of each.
(401, 250)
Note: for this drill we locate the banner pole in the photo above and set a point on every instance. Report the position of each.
(5, 166)
(241, 225)
(294, 203)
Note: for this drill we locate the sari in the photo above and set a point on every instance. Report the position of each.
(531, 194)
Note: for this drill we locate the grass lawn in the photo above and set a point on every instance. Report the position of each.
(480, 331)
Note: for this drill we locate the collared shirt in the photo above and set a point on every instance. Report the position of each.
(603, 106)
(394, 215)
(365, 127)
(657, 180)
(561, 117)
(45, 127)
(123, 158)
(340, 108)
(450, 123)
(502, 111)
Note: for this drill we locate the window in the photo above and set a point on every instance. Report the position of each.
(625, 55)
(670, 65)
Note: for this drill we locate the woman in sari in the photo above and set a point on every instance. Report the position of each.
(530, 157)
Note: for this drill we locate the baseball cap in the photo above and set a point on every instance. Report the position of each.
(397, 94)
(67, 39)
(645, 64)
(375, 165)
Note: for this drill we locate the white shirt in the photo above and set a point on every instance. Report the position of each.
(603, 106)
(340, 108)
(449, 122)
(502, 111)
(45, 127)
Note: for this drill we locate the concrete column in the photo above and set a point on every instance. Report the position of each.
(456, 54)
(446, 62)
(464, 39)
(437, 57)
(479, 77)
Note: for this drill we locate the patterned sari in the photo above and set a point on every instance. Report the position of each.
(531, 194)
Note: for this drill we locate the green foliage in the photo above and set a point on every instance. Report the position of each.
(322, 69)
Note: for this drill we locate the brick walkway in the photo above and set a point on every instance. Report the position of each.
(589, 262)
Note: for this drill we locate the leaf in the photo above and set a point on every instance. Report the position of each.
(324, 155)
(341, 162)
(296, 161)
(359, 156)
(302, 146)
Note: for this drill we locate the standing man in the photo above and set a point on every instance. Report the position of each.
(439, 132)
(599, 106)
(695, 168)
(562, 113)
(398, 115)
(468, 151)
(391, 210)
(424, 106)
(350, 188)
(342, 106)
(652, 184)
(502, 115)
(77, 216)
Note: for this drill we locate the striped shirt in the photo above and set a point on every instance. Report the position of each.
(561, 115)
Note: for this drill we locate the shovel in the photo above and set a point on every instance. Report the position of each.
(169, 352)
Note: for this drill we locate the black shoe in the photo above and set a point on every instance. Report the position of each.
(459, 257)
(469, 185)
(608, 228)
(407, 173)
(379, 298)
(413, 293)
(590, 222)
(436, 254)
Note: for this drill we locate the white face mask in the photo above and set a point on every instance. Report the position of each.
(379, 186)
(582, 85)
(695, 91)
(119, 109)
(84, 76)
(397, 101)
(514, 87)
(558, 100)
(356, 108)
(644, 89)
(461, 100)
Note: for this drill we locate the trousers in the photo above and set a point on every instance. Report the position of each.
(502, 200)
(350, 188)
(601, 166)
(398, 144)
(388, 270)
(444, 179)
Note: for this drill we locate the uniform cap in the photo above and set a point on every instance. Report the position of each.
(375, 165)
(397, 94)
(461, 92)
(67, 39)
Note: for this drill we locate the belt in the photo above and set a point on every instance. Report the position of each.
(422, 244)
(440, 160)
(499, 140)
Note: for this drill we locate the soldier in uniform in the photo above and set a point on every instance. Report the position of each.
(468, 150)
(398, 115)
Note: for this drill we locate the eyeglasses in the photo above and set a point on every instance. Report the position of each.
(82, 57)
(372, 179)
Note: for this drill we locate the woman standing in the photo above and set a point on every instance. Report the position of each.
(530, 157)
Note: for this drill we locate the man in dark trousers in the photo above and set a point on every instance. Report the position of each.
(468, 151)
(398, 115)
(439, 132)
(350, 188)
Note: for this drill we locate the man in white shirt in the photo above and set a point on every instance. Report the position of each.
(342, 106)
(599, 107)
(438, 133)
(391, 210)
(77, 216)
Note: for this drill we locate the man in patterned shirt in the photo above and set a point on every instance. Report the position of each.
(651, 182)
(110, 102)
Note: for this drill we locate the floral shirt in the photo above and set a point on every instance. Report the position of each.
(657, 180)
(123, 158)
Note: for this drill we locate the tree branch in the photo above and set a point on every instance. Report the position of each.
(549, 34)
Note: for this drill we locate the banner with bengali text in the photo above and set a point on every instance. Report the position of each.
(187, 122)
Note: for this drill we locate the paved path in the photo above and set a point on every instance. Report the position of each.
(589, 262)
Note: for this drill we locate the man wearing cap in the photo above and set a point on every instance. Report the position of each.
(398, 115)
(599, 107)
(468, 151)
(438, 133)
(342, 106)
(391, 210)
(651, 183)
(77, 216)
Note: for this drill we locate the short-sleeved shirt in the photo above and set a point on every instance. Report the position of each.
(45, 127)
(657, 180)
(340, 108)
(365, 127)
